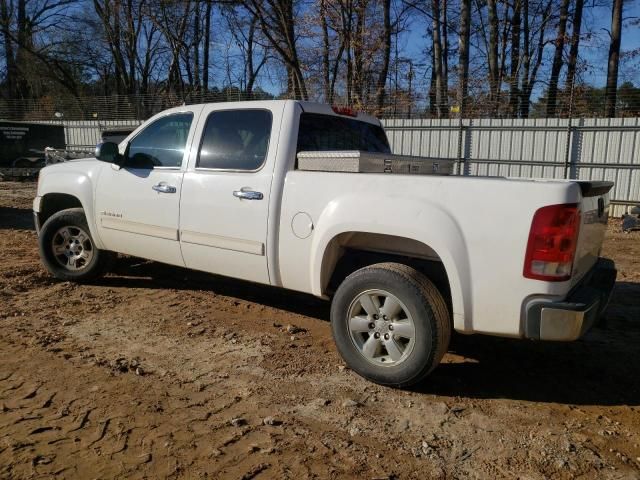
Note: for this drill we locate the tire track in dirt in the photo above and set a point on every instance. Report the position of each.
(141, 374)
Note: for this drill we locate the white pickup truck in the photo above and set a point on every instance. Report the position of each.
(405, 258)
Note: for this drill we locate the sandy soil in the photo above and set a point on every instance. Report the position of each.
(158, 372)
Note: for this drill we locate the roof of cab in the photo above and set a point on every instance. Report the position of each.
(307, 106)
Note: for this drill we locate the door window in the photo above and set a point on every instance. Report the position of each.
(161, 144)
(235, 140)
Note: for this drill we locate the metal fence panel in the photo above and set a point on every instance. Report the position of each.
(584, 149)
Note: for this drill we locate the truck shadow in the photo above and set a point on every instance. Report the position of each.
(602, 368)
(16, 219)
(135, 273)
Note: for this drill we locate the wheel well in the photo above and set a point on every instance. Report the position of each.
(349, 252)
(54, 202)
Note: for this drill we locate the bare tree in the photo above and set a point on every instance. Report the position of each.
(244, 28)
(556, 67)
(278, 22)
(575, 44)
(27, 60)
(532, 52)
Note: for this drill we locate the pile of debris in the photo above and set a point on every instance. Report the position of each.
(56, 155)
(631, 221)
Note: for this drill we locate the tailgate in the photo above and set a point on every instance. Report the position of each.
(594, 214)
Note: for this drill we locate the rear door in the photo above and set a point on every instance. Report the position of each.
(137, 205)
(226, 192)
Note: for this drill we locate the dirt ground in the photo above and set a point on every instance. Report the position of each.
(158, 372)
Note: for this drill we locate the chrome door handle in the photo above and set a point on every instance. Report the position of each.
(164, 188)
(248, 194)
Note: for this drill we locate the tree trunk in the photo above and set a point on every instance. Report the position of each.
(614, 60)
(11, 71)
(463, 56)
(493, 57)
(444, 93)
(575, 43)
(252, 72)
(132, 48)
(437, 57)
(197, 38)
(526, 60)
(326, 84)
(433, 94)
(386, 55)
(530, 74)
(358, 54)
(205, 49)
(552, 96)
(514, 94)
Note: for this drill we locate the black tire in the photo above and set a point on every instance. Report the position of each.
(73, 219)
(424, 303)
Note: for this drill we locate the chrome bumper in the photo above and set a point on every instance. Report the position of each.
(572, 318)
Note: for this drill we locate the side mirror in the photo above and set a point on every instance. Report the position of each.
(108, 152)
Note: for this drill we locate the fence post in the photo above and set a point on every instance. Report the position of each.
(567, 153)
(460, 160)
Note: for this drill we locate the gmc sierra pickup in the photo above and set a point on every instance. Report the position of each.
(405, 258)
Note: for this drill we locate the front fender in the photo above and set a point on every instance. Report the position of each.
(421, 221)
(79, 181)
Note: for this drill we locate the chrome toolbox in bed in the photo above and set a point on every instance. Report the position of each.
(369, 162)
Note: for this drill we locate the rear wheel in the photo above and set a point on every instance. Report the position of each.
(390, 324)
(68, 250)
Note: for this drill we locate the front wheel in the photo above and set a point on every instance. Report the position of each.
(390, 324)
(68, 250)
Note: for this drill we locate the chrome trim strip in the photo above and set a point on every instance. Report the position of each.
(226, 170)
(112, 223)
(225, 243)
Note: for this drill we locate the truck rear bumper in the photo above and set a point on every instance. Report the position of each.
(573, 317)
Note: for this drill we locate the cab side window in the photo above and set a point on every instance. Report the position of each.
(161, 144)
(235, 140)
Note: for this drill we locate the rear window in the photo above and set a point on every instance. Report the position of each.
(330, 133)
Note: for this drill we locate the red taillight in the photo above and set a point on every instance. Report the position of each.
(552, 243)
(349, 112)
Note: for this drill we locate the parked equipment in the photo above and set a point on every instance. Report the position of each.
(22, 144)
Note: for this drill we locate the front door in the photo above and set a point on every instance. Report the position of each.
(225, 194)
(137, 204)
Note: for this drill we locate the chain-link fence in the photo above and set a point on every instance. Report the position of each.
(581, 101)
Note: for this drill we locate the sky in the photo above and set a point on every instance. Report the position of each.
(593, 51)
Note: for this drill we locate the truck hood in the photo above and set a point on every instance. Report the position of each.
(72, 163)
